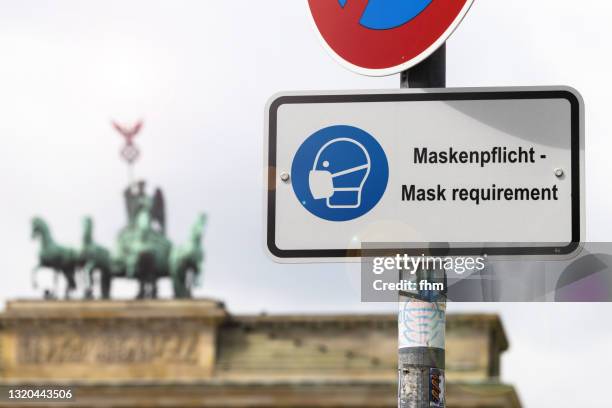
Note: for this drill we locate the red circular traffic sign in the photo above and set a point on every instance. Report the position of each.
(384, 37)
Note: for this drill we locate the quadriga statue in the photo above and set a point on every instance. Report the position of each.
(143, 251)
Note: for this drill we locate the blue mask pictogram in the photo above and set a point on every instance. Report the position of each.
(339, 173)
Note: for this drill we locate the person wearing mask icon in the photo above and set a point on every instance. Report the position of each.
(339, 172)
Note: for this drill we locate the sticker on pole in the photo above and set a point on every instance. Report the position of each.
(436, 388)
(421, 324)
(494, 168)
(384, 37)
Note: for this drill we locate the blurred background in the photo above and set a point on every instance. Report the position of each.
(199, 73)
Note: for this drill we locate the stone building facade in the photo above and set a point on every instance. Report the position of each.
(196, 354)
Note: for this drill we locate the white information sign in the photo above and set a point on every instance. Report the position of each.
(501, 167)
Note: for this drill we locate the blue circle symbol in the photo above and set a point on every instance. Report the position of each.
(339, 173)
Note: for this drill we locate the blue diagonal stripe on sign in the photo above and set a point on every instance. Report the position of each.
(387, 14)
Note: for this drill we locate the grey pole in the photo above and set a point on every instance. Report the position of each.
(430, 73)
(422, 315)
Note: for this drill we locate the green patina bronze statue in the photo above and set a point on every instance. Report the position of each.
(56, 257)
(143, 251)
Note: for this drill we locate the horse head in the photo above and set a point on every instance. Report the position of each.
(39, 228)
(198, 229)
(87, 231)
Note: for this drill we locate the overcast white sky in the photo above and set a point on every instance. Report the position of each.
(199, 73)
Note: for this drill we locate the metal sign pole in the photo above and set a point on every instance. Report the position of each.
(431, 73)
(421, 319)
